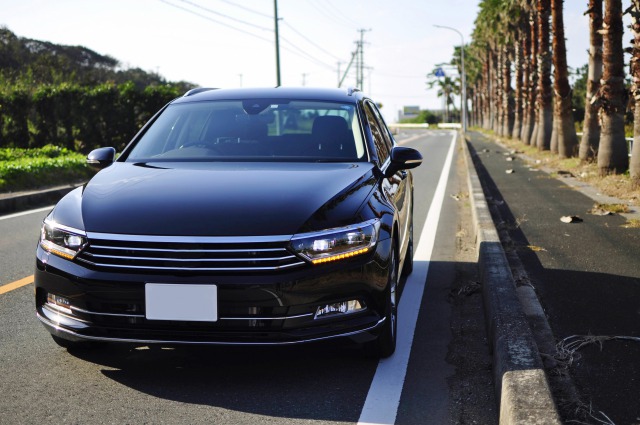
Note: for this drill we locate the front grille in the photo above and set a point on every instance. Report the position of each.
(190, 254)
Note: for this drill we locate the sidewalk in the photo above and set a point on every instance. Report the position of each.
(19, 201)
(586, 275)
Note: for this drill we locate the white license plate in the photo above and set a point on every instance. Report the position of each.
(198, 303)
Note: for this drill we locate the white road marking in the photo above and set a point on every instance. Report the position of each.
(6, 217)
(383, 399)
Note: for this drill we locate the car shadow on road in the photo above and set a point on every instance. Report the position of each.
(313, 381)
(322, 381)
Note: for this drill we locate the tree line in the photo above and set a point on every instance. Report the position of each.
(76, 117)
(73, 97)
(519, 80)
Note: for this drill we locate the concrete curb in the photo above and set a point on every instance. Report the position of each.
(11, 203)
(521, 384)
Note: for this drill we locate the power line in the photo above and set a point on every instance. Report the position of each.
(196, 5)
(214, 20)
(383, 74)
(340, 13)
(247, 9)
(304, 54)
(327, 15)
(293, 49)
(310, 41)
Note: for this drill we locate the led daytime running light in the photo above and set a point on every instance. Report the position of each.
(340, 256)
(58, 250)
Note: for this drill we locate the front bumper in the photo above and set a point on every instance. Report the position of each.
(253, 309)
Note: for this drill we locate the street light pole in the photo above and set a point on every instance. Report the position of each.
(275, 13)
(463, 79)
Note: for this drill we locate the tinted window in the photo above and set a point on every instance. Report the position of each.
(378, 132)
(258, 129)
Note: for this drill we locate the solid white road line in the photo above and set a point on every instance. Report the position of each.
(5, 217)
(383, 399)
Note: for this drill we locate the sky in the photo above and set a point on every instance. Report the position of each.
(231, 43)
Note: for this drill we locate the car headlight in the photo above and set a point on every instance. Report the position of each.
(63, 241)
(337, 244)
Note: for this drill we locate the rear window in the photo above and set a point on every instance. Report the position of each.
(253, 129)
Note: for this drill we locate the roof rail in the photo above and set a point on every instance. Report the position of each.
(198, 90)
(352, 90)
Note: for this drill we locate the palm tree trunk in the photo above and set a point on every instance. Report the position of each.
(532, 54)
(507, 92)
(567, 141)
(488, 108)
(519, 91)
(634, 166)
(591, 125)
(496, 93)
(553, 144)
(612, 152)
(545, 110)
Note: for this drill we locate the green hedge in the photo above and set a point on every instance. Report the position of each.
(22, 169)
(78, 117)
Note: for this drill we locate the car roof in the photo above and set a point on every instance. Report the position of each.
(300, 93)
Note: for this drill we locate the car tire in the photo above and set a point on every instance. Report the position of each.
(385, 345)
(407, 267)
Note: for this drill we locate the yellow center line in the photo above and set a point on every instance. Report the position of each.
(15, 285)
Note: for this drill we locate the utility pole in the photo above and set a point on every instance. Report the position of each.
(346, 71)
(339, 63)
(240, 75)
(360, 67)
(304, 79)
(275, 14)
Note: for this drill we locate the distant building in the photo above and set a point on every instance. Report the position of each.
(408, 112)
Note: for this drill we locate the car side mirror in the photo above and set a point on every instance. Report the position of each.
(403, 158)
(101, 158)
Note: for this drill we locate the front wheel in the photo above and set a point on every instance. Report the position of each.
(407, 267)
(385, 345)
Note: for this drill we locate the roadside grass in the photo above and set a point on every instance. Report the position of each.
(618, 186)
(24, 169)
(612, 208)
(634, 223)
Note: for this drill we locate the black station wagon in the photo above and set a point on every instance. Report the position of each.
(245, 217)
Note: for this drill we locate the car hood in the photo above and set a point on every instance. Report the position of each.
(224, 199)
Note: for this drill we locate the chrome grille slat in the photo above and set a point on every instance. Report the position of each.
(192, 260)
(192, 269)
(130, 248)
(190, 254)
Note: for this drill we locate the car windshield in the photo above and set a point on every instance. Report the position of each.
(253, 130)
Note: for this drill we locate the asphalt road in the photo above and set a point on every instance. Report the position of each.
(428, 380)
(586, 275)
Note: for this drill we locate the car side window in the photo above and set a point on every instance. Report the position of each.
(383, 128)
(382, 146)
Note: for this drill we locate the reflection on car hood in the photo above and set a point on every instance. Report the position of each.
(223, 199)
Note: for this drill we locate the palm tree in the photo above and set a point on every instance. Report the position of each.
(634, 166)
(567, 141)
(544, 106)
(521, 73)
(447, 88)
(612, 149)
(591, 125)
(528, 134)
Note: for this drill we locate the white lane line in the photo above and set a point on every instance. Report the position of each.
(411, 139)
(6, 217)
(383, 399)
